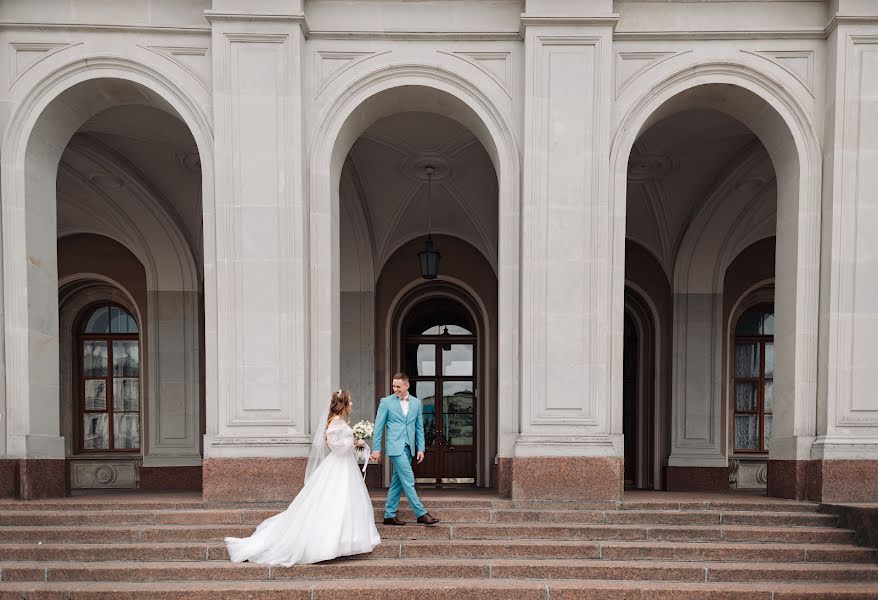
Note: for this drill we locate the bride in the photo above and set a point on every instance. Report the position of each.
(331, 516)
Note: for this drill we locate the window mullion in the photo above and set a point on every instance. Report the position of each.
(110, 419)
(761, 405)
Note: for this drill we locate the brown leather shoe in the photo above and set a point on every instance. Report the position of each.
(393, 521)
(427, 519)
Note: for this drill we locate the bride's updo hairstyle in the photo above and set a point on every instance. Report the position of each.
(338, 405)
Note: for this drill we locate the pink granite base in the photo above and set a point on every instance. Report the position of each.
(697, 479)
(8, 478)
(252, 479)
(504, 477)
(567, 478)
(848, 480)
(42, 478)
(824, 480)
(790, 479)
(169, 479)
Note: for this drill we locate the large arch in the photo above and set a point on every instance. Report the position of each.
(50, 109)
(780, 121)
(425, 88)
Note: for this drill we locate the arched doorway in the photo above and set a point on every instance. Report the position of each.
(630, 365)
(439, 346)
(641, 414)
(440, 335)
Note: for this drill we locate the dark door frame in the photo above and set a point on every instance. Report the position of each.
(445, 289)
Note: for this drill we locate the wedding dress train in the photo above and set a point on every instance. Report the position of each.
(332, 516)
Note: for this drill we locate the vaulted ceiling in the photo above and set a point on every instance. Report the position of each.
(160, 150)
(679, 164)
(385, 176)
(675, 166)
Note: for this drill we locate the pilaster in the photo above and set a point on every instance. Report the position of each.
(844, 457)
(259, 409)
(570, 424)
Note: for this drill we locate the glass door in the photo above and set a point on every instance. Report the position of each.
(439, 355)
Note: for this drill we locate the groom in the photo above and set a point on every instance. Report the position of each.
(405, 432)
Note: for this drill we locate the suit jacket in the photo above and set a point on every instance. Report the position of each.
(401, 429)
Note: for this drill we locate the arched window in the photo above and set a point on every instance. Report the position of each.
(754, 378)
(109, 380)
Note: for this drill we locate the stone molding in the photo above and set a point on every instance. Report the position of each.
(848, 421)
(261, 303)
(566, 370)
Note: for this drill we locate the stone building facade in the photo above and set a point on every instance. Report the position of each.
(655, 221)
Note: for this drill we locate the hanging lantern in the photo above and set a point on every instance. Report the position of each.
(446, 336)
(429, 256)
(429, 260)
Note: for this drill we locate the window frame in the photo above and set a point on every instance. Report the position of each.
(81, 338)
(761, 341)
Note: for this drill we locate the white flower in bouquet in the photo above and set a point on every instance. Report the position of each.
(363, 430)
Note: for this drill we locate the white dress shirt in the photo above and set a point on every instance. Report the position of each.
(404, 404)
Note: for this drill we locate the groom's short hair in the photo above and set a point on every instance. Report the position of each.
(401, 376)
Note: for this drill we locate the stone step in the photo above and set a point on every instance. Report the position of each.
(433, 501)
(775, 519)
(534, 550)
(694, 571)
(436, 589)
(496, 531)
(77, 504)
(694, 533)
(448, 515)
(759, 503)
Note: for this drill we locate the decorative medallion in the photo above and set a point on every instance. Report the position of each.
(415, 167)
(105, 474)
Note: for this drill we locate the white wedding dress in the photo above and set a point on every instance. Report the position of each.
(332, 516)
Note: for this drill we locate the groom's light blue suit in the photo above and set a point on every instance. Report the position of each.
(405, 437)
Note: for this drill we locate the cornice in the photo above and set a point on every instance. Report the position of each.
(810, 33)
(503, 36)
(815, 33)
(17, 25)
(530, 20)
(837, 20)
(494, 36)
(258, 17)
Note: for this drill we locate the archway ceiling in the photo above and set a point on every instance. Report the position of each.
(677, 164)
(388, 161)
(159, 149)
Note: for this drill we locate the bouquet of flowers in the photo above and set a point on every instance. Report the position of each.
(363, 430)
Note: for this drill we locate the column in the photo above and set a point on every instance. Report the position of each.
(258, 436)
(570, 444)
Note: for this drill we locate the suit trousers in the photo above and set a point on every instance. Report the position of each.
(403, 481)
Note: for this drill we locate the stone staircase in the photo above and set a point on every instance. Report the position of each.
(648, 546)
